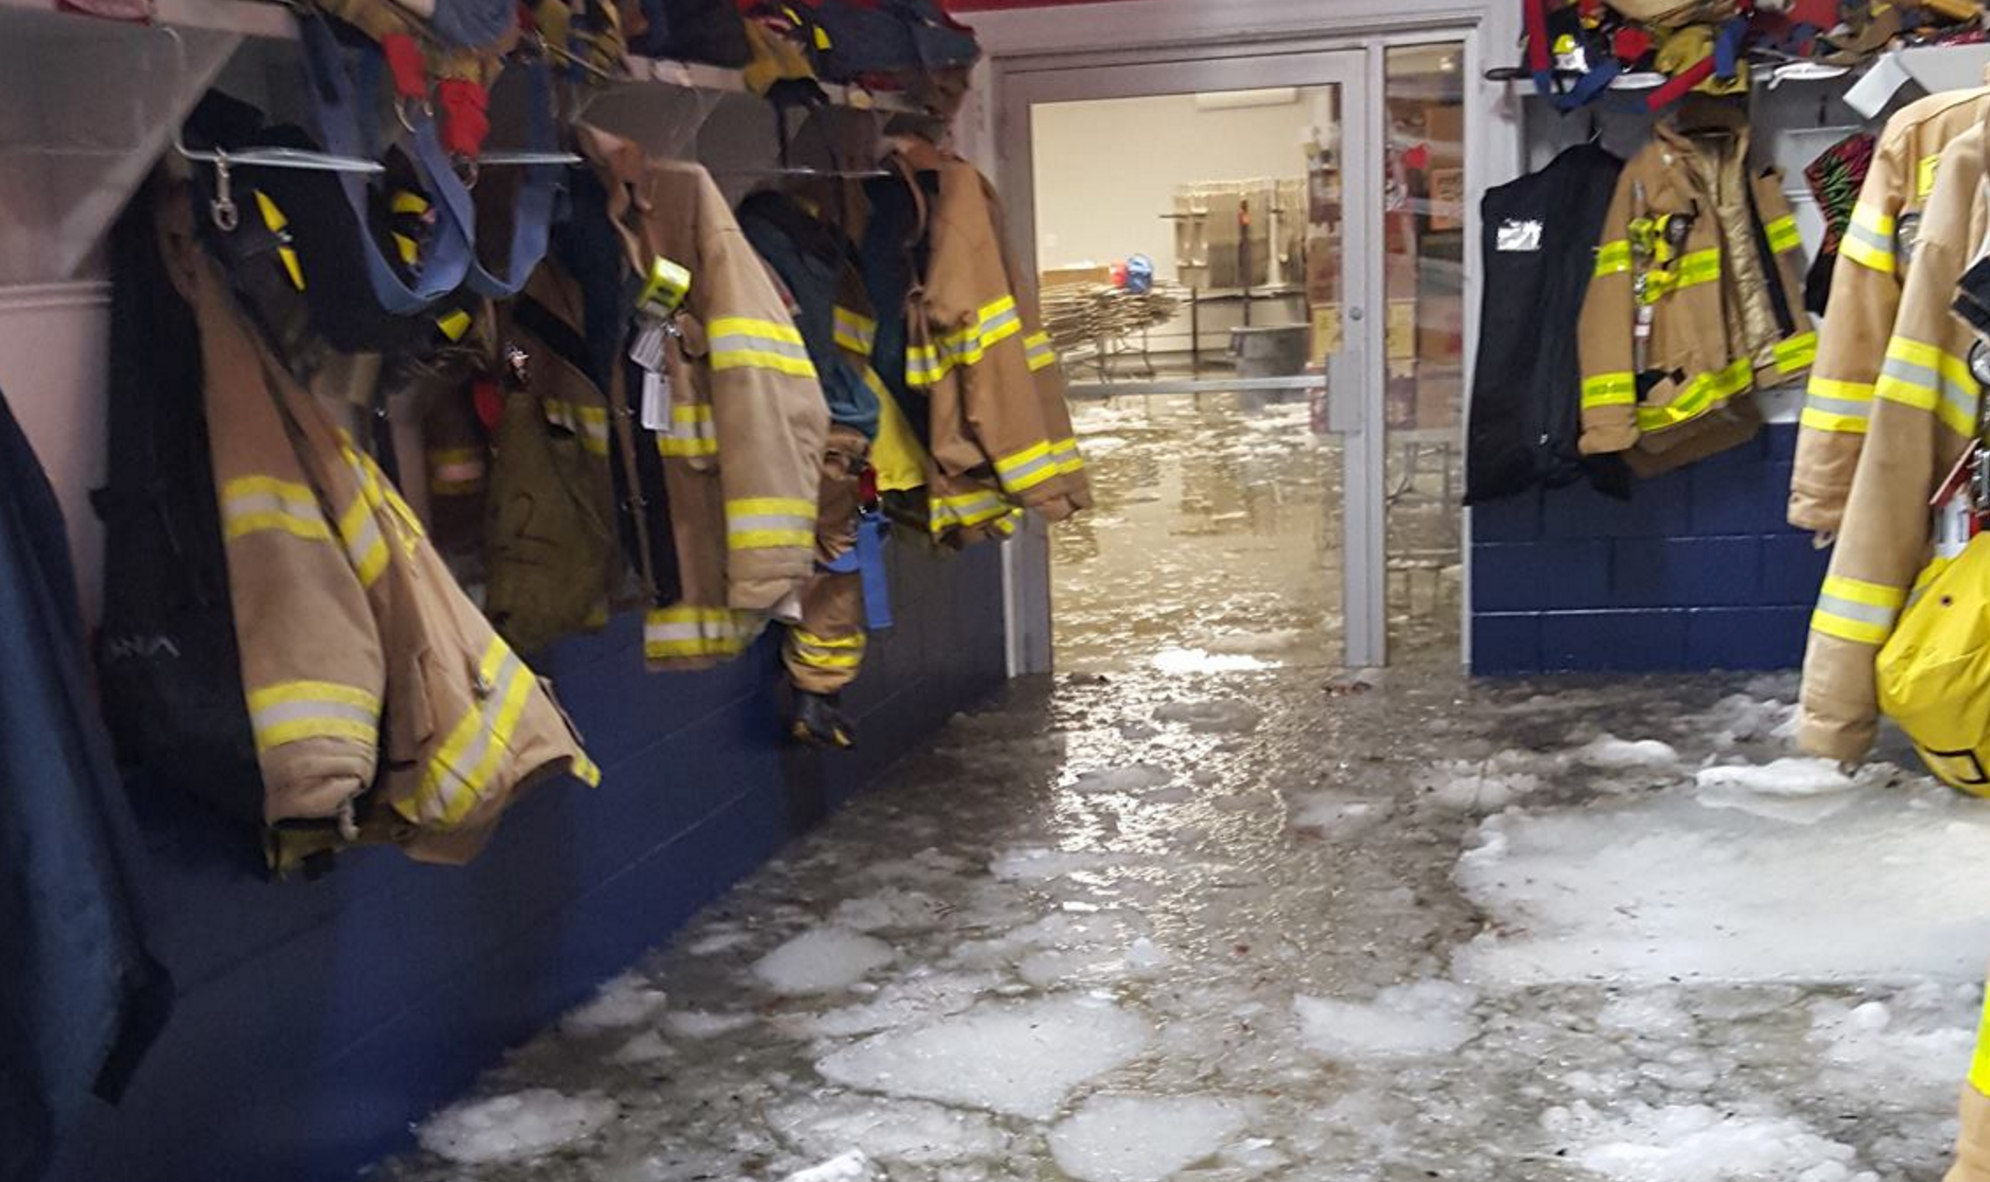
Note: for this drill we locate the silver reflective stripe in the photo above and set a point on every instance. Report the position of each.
(1005, 317)
(675, 632)
(508, 671)
(271, 501)
(364, 540)
(282, 712)
(758, 521)
(1963, 400)
(738, 342)
(1878, 242)
(1855, 407)
(1865, 613)
(1014, 475)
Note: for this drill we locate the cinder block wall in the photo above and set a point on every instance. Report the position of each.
(1697, 572)
(317, 1019)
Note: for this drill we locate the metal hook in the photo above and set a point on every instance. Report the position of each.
(223, 209)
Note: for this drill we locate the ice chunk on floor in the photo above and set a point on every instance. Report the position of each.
(1478, 785)
(1092, 965)
(1663, 889)
(515, 1127)
(1697, 1143)
(1215, 715)
(912, 1131)
(698, 1025)
(891, 909)
(1423, 1018)
(1142, 1138)
(1021, 1059)
(1138, 777)
(627, 1000)
(1609, 751)
(822, 960)
(1803, 791)
(897, 1004)
(849, 1167)
(717, 942)
(1923, 1037)
(647, 1047)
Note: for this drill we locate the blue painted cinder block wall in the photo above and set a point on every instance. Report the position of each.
(1698, 571)
(317, 1019)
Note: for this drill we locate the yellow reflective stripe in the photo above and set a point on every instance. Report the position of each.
(854, 330)
(293, 711)
(1868, 239)
(455, 777)
(1979, 1064)
(969, 509)
(760, 523)
(672, 445)
(1863, 591)
(1609, 389)
(588, 423)
(1857, 610)
(741, 342)
(1702, 266)
(823, 652)
(406, 248)
(585, 770)
(1065, 452)
(684, 631)
(1027, 467)
(806, 637)
(925, 365)
(1041, 354)
(1783, 234)
(1796, 353)
(1613, 258)
(287, 255)
(1701, 395)
(456, 469)
(1924, 174)
(253, 504)
(404, 201)
(1836, 423)
(1927, 378)
(365, 546)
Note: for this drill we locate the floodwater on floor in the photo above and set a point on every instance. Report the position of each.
(1285, 926)
(1216, 540)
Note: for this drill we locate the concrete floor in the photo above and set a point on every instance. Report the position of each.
(1205, 908)
(1271, 925)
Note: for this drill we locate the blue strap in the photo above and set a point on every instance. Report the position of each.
(1727, 48)
(872, 530)
(450, 251)
(451, 258)
(532, 219)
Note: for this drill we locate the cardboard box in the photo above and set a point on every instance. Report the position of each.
(1058, 276)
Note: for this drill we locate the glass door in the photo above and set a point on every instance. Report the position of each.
(1205, 238)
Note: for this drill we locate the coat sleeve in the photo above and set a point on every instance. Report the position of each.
(768, 414)
(313, 671)
(1923, 416)
(1604, 332)
(985, 401)
(1865, 296)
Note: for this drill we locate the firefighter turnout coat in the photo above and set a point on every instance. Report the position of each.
(743, 454)
(1865, 296)
(1923, 417)
(1000, 434)
(383, 705)
(1715, 249)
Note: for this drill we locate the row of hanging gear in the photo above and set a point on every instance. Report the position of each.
(457, 405)
(1577, 52)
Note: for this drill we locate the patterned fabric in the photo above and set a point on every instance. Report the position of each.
(1835, 177)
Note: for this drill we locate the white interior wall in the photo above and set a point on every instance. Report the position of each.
(1107, 170)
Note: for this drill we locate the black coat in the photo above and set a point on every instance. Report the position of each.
(80, 997)
(1538, 250)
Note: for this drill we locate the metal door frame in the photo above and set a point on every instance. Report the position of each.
(1357, 69)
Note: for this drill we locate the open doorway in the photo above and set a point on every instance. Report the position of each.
(1257, 289)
